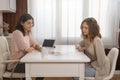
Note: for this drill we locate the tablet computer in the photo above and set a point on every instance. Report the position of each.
(48, 43)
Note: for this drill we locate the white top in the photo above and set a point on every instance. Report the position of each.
(62, 53)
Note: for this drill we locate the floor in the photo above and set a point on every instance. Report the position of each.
(116, 77)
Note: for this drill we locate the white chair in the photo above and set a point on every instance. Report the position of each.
(4, 53)
(112, 55)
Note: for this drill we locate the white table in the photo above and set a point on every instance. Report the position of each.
(69, 63)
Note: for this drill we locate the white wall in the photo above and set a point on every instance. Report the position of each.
(119, 13)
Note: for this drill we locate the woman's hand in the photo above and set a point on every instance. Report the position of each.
(37, 47)
(30, 49)
(80, 49)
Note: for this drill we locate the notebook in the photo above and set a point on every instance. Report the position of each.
(48, 43)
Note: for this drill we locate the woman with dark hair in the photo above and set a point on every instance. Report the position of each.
(92, 46)
(22, 43)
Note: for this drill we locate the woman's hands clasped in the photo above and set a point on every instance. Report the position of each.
(79, 48)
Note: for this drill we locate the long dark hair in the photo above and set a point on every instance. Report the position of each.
(23, 18)
(93, 27)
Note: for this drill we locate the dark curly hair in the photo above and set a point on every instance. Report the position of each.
(23, 18)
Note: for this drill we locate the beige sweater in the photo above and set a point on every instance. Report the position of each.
(95, 51)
